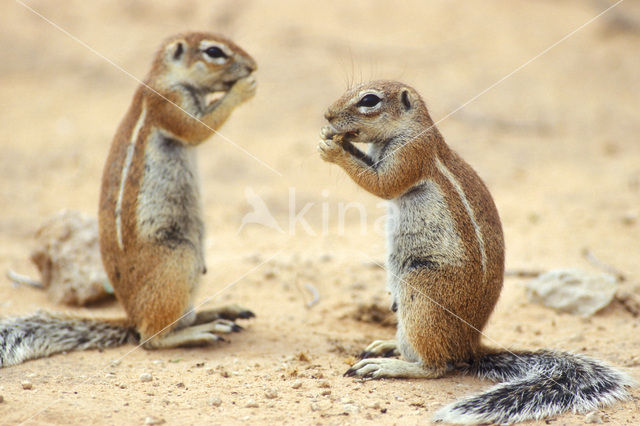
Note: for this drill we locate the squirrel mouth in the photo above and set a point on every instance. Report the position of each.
(218, 92)
(350, 136)
(215, 96)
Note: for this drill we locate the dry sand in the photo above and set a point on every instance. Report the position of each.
(556, 142)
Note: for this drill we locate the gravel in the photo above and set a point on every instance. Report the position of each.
(146, 377)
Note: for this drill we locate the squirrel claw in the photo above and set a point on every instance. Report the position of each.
(246, 314)
(349, 373)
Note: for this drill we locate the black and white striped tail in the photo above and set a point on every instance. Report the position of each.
(536, 385)
(42, 334)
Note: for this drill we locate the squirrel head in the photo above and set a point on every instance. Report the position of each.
(205, 61)
(377, 111)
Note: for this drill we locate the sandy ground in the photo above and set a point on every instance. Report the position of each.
(556, 142)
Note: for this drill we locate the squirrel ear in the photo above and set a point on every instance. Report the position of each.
(405, 100)
(175, 51)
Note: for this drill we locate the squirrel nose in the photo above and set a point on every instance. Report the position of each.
(251, 65)
(329, 115)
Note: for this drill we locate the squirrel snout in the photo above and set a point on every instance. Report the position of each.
(251, 65)
(329, 115)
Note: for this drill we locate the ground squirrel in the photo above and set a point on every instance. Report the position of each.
(445, 266)
(151, 230)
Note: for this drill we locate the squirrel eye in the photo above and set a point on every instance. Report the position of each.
(215, 52)
(369, 101)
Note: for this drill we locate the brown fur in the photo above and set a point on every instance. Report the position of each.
(154, 278)
(406, 147)
(445, 266)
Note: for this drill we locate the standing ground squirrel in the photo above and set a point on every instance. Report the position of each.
(151, 230)
(445, 266)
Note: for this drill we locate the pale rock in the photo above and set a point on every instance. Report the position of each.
(573, 291)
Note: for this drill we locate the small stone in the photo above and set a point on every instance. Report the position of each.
(326, 392)
(375, 405)
(1, 399)
(271, 394)
(315, 407)
(351, 408)
(150, 420)
(146, 377)
(27, 385)
(593, 417)
(573, 291)
(215, 401)
(297, 384)
(303, 357)
(630, 218)
(115, 363)
(324, 384)
(252, 404)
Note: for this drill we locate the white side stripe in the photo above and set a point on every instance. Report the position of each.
(125, 171)
(443, 169)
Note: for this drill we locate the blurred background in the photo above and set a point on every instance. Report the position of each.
(541, 98)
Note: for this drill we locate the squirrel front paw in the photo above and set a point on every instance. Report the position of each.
(244, 89)
(330, 150)
(330, 146)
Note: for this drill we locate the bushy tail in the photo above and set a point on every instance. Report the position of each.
(535, 385)
(43, 334)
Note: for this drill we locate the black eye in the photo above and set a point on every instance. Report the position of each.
(215, 52)
(369, 101)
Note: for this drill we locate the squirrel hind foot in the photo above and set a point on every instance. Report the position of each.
(379, 368)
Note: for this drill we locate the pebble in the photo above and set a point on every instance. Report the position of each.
(271, 394)
(1, 399)
(630, 218)
(150, 420)
(593, 417)
(324, 384)
(215, 401)
(252, 404)
(297, 384)
(573, 290)
(315, 407)
(146, 377)
(351, 408)
(27, 385)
